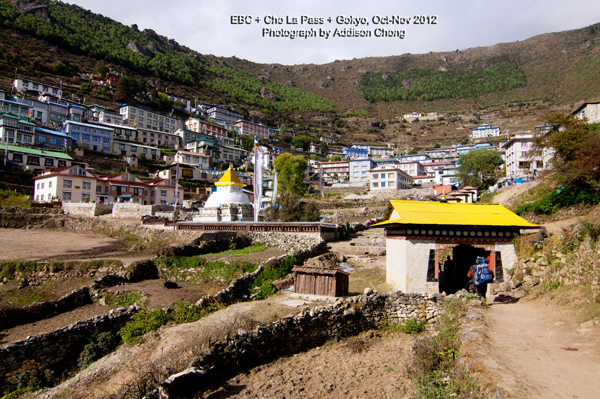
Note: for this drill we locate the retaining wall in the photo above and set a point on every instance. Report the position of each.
(61, 347)
(11, 317)
(128, 210)
(293, 334)
(86, 209)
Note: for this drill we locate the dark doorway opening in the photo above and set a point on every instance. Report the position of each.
(453, 272)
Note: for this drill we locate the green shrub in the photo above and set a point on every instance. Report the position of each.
(28, 378)
(413, 326)
(564, 197)
(100, 345)
(183, 312)
(272, 272)
(434, 369)
(266, 289)
(143, 322)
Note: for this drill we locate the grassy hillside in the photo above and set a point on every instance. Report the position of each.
(146, 53)
(560, 68)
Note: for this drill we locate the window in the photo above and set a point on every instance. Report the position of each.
(133, 148)
(38, 186)
(85, 197)
(152, 193)
(49, 184)
(62, 164)
(66, 196)
(375, 185)
(49, 162)
(18, 158)
(98, 189)
(31, 160)
(375, 176)
(382, 184)
(41, 138)
(42, 197)
(163, 193)
(87, 185)
(67, 183)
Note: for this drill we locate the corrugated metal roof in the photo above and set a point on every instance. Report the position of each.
(318, 270)
(462, 214)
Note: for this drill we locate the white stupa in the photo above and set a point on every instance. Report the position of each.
(229, 192)
(229, 202)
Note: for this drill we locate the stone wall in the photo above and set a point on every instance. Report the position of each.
(285, 241)
(86, 209)
(240, 287)
(127, 210)
(60, 348)
(311, 328)
(17, 217)
(11, 317)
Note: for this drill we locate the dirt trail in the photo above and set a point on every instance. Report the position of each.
(540, 351)
(507, 195)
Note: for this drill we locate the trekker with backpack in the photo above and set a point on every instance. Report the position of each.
(482, 275)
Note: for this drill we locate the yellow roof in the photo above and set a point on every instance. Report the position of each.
(462, 214)
(229, 178)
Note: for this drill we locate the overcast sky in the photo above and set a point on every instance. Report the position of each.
(206, 27)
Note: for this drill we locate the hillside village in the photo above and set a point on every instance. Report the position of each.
(39, 132)
(239, 237)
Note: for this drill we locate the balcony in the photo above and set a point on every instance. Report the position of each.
(118, 193)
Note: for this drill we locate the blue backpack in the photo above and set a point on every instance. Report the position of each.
(483, 274)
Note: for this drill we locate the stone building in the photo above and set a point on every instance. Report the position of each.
(430, 246)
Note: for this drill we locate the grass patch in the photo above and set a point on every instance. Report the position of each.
(182, 262)
(148, 320)
(123, 299)
(245, 251)
(227, 271)
(10, 198)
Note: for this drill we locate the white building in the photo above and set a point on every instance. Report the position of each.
(412, 168)
(387, 177)
(149, 120)
(591, 111)
(22, 85)
(359, 170)
(485, 130)
(519, 161)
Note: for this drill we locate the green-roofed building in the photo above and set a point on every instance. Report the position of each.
(32, 159)
(16, 130)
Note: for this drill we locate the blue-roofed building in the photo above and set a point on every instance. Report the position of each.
(463, 149)
(94, 137)
(385, 161)
(52, 139)
(77, 113)
(354, 152)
